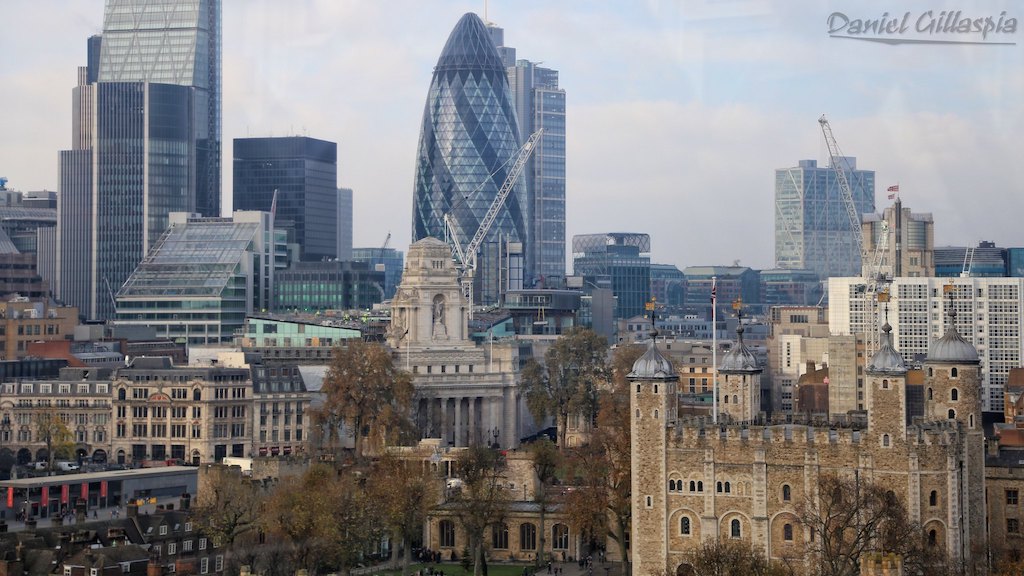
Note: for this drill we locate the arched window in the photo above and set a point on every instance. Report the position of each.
(933, 498)
(930, 393)
(700, 486)
(932, 537)
(637, 388)
(718, 487)
(655, 388)
(930, 372)
(953, 372)
(787, 493)
(728, 488)
(971, 421)
(885, 440)
(499, 536)
(655, 413)
(693, 486)
(197, 395)
(734, 528)
(735, 399)
(726, 398)
(954, 394)
(446, 529)
(671, 485)
(885, 384)
(638, 413)
(527, 536)
(952, 414)
(787, 532)
(121, 394)
(560, 537)
(649, 502)
(684, 525)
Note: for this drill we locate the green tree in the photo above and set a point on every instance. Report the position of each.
(364, 391)
(54, 432)
(546, 460)
(481, 501)
(404, 492)
(600, 503)
(569, 379)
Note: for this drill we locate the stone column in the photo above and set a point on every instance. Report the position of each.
(443, 428)
(472, 428)
(458, 421)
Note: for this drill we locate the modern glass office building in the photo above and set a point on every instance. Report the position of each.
(387, 260)
(813, 230)
(304, 173)
(173, 42)
(619, 261)
(320, 286)
(468, 141)
(204, 276)
(540, 103)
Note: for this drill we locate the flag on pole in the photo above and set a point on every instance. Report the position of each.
(714, 290)
(893, 191)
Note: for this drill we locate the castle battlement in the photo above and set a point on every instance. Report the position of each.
(698, 431)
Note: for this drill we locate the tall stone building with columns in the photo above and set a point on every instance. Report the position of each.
(465, 393)
(695, 481)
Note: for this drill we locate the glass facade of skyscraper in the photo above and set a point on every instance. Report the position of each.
(619, 261)
(813, 230)
(173, 42)
(468, 141)
(304, 173)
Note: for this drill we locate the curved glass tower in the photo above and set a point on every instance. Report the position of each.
(467, 145)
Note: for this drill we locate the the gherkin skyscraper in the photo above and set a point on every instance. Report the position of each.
(467, 145)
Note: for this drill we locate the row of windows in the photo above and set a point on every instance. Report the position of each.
(500, 539)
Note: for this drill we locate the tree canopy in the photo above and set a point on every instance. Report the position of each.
(481, 501)
(366, 393)
(569, 379)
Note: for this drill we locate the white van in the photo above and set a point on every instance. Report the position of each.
(67, 466)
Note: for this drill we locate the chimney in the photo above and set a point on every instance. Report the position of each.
(132, 511)
(810, 366)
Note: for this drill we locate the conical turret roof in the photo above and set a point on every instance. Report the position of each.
(887, 360)
(740, 358)
(652, 366)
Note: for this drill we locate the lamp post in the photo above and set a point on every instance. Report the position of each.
(496, 433)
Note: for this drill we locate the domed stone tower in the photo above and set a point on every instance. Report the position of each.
(428, 308)
(654, 406)
(739, 388)
(886, 392)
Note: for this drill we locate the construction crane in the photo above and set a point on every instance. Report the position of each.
(965, 272)
(873, 273)
(465, 257)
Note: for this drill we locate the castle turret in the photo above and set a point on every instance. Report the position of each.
(886, 392)
(739, 387)
(654, 408)
(953, 394)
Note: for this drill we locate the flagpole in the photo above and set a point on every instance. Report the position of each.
(714, 350)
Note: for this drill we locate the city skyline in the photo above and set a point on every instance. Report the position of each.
(680, 113)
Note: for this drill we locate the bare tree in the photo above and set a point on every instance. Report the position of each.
(227, 504)
(404, 491)
(729, 558)
(54, 432)
(482, 501)
(546, 461)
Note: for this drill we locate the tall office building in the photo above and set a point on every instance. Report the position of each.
(469, 137)
(619, 261)
(540, 103)
(304, 173)
(900, 242)
(344, 224)
(145, 143)
(386, 260)
(813, 230)
(173, 42)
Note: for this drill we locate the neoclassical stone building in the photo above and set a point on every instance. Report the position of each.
(465, 393)
(694, 481)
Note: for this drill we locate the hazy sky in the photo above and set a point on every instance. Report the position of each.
(678, 112)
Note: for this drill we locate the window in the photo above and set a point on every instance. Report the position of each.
(172, 548)
(527, 536)
(787, 532)
(718, 487)
(952, 414)
(218, 565)
(700, 486)
(885, 440)
(953, 372)
(560, 537)
(933, 498)
(1011, 497)
(734, 528)
(930, 392)
(885, 384)
(499, 536)
(693, 486)
(202, 543)
(204, 565)
(447, 532)
(954, 395)
(649, 502)
(671, 485)
(684, 525)
(932, 537)
(1012, 526)
(787, 493)
(186, 546)
(728, 488)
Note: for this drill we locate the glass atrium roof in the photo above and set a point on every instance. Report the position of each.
(194, 259)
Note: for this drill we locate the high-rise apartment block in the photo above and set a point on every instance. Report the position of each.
(813, 229)
(303, 173)
(468, 140)
(540, 104)
(900, 242)
(988, 315)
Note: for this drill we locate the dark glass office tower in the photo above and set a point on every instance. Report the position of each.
(173, 42)
(304, 171)
(468, 141)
